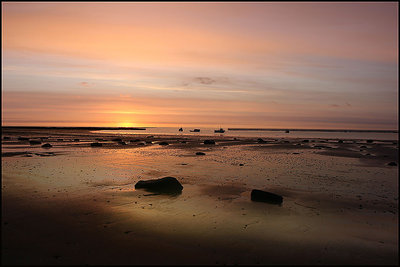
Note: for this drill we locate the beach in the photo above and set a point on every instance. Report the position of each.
(77, 204)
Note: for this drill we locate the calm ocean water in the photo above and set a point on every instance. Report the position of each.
(261, 133)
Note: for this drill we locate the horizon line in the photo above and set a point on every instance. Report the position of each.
(229, 129)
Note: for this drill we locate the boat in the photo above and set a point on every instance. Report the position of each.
(180, 129)
(219, 131)
(195, 130)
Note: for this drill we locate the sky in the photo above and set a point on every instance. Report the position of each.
(307, 65)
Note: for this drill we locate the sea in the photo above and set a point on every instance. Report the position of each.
(265, 133)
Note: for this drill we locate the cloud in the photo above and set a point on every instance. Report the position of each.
(85, 84)
(205, 80)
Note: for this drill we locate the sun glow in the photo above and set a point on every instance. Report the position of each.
(126, 124)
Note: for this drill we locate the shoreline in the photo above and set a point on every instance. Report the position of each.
(74, 204)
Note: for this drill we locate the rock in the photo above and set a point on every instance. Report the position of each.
(363, 147)
(261, 141)
(23, 138)
(136, 140)
(60, 139)
(117, 140)
(166, 185)
(100, 139)
(200, 153)
(241, 164)
(150, 136)
(392, 163)
(340, 141)
(263, 196)
(47, 145)
(122, 143)
(6, 138)
(76, 140)
(306, 141)
(96, 144)
(183, 142)
(370, 141)
(209, 142)
(163, 144)
(35, 142)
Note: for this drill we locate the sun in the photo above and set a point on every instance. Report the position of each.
(126, 124)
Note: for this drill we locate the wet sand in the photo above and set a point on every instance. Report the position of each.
(76, 204)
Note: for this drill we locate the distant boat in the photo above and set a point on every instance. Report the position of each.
(195, 130)
(180, 129)
(219, 131)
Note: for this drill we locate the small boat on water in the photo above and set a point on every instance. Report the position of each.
(195, 130)
(180, 129)
(219, 131)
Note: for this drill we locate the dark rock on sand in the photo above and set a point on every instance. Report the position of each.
(209, 142)
(340, 141)
(35, 142)
(370, 141)
(122, 143)
(117, 140)
(261, 141)
(263, 196)
(166, 185)
(23, 138)
(96, 144)
(306, 141)
(136, 140)
(200, 153)
(163, 144)
(392, 163)
(47, 145)
(60, 139)
(76, 140)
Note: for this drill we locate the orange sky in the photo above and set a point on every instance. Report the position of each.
(292, 65)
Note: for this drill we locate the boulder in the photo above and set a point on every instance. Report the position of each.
(200, 153)
(306, 141)
(209, 142)
(370, 141)
(117, 140)
(261, 141)
(122, 143)
(35, 142)
(47, 145)
(166, 185)
(263, 196)
(76, 140)
(163, 144)
(96, 144)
